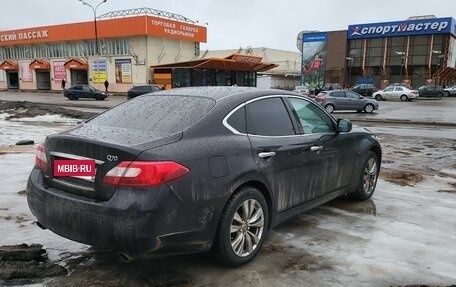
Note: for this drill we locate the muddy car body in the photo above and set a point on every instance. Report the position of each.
(191, 169)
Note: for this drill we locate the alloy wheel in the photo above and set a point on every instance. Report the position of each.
(247, 227)
(370, 175)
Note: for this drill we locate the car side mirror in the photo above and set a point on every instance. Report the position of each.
(344, 126)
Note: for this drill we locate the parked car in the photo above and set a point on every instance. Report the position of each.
(331, 86)
(432, 91)
(197, 169)
(84, 91)
(303, 90)
(345, 100)
(400, 84)
(141, 90)
(397, 93)
(450, 91)
(365, 90)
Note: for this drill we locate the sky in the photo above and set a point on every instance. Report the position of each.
(236, 23)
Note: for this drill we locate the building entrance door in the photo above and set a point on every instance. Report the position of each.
(78, 77)
(43, 79)
(12, 79)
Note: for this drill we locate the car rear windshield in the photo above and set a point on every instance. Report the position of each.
(163, 113)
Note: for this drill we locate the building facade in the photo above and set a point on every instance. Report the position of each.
(417, 51)
(126, 44)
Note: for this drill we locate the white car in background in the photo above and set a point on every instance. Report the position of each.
(398, 93)
(303, 90)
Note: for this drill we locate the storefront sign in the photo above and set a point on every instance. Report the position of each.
(99, 70)
(59, 71)
(403, 28)
(26, 72)
(27, 35)
(248, 59)
(123, 71)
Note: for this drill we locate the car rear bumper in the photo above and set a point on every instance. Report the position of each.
(135, 223)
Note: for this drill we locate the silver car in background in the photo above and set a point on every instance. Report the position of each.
(345, 100)
(396, 93)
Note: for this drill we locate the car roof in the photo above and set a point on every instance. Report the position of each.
(222, 92)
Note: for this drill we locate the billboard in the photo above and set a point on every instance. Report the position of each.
(314, 50)
(59, 71)
(26, 72)
(123, 71)
(99, 70)
(452, 53)
(402, 28)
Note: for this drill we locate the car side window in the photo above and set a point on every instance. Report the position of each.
(269, 117)
(312, 118)
(237, 120)
(78, 88)
(352, 95)
(399, 89)
(85, 88)
(338, 94)
(389, 89)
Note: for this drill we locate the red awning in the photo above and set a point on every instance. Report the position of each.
(9, 65)
(78, 64)
(40, 64)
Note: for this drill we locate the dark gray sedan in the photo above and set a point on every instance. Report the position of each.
(198, 169)
(345, 100)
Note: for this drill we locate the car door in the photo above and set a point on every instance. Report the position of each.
(282, 154)
(388, 94)
(86, 92)
(354, 101)
(78, 91)
(332, 156)
(339, 99)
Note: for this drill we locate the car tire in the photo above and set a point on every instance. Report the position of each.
(368, 179)
(98, 97)
(438, 95)
(329, 108)
(369, 108)
(404, 98)
(447, 94)
(71, 97)
(242, 228)
(378, 98)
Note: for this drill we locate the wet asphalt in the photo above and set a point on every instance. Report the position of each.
(425, 111)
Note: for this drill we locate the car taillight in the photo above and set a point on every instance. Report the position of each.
(144, 173)
(40, 158)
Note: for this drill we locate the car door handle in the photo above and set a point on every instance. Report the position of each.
(266, 154)
(316, 148)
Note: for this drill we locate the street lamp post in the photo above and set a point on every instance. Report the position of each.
(402, 54)
(97, 51)
(350, 64)
(436, 70)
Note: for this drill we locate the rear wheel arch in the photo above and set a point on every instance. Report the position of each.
(263, 189)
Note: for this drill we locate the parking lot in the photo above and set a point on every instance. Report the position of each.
(403, 236)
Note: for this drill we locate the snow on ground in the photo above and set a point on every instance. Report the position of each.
(403, 235)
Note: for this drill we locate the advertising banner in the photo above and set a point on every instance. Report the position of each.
(452, 53)
(402, 28)
(313, 59)
(26, 72)
(59, 71)
(99, 70)
(123, 71)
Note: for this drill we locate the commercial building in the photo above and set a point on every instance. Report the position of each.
(128, 42)
(417, 51)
